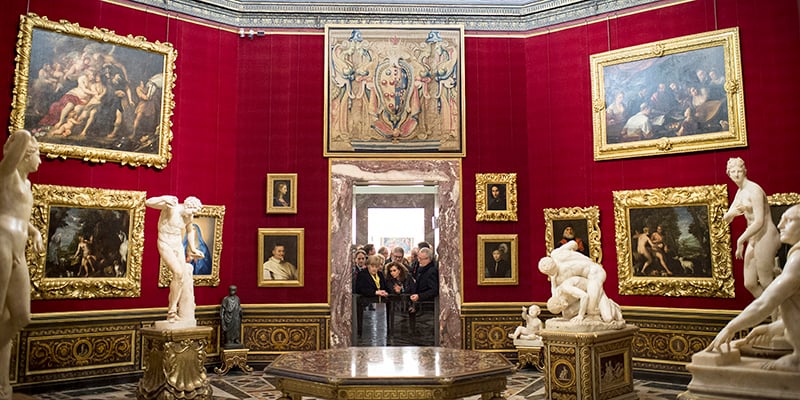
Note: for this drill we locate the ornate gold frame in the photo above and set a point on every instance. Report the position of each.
(272, 180)
(217, 214)
(638, 56)
(482, 193)
(778, 204)
(420, 116)
(590, 215)
(295, 235)
(483, 240)
(99, 149)
(48, 196)
(715, 198)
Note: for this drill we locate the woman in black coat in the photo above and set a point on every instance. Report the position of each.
(370, 281)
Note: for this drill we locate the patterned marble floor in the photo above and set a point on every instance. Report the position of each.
(526, 384)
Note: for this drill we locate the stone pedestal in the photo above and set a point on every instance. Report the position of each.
(728, 375)
(589, 365)
(174, 364)
(233, 358)
(529, 352)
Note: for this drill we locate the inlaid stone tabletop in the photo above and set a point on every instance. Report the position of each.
(388, 372)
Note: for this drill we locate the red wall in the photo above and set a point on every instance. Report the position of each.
(246, 108)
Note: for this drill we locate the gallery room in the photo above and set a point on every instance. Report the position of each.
(494, 131)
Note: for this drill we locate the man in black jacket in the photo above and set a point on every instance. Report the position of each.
(427, 277)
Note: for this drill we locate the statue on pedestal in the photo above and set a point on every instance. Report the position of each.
(577, 292)
(20, 158)
(175, 221)
(230, 313)
(532, 325)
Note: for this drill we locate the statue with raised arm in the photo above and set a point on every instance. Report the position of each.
(20, 158)
(783, 295)
(530, 331)
(761, 235)
(174, 222)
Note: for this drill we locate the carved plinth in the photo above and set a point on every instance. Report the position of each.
(530, 355)
(233, 358)
(589, 365)
(174, 364)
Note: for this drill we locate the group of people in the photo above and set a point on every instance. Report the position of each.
(652, 252)
(416, 276)
(686, 106)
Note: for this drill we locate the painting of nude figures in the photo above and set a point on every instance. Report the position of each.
(92, 94)
(673, 242)
(93, 242)
(394, 90)
(673, 96)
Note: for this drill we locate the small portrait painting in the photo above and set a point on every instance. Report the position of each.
(281, 193)
(565, 230)
(497, 197)
(497, 260)
(280, 257)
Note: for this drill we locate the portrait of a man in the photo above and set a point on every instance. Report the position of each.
(497, 197)
(571, 229)
(498, 256)
(278, 266)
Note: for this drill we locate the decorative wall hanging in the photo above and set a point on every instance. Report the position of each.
(281, 194)
(673, 96)
(280, 256)
(93, 239)
(574, 223)
(394, 91)
(497, 260)
(207, 225)
(92, 94)
(674, 242)
(496, 197)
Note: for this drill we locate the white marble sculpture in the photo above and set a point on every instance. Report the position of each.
(20, 158)
(577, 292)
(175, 221)
(530, 331)
(761, 235)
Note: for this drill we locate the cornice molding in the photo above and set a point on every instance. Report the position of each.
(476, 15)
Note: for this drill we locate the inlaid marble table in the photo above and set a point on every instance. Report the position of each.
(361, 373)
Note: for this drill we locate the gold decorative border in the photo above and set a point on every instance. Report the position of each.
(482, 181)
(734, 136)
(218, 214)
(272, 179)
(298, 234)
(129, 285)
(483, 240)
(720, 284)
(101, 37)
(592, 217)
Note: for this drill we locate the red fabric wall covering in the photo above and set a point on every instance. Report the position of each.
(250, 107)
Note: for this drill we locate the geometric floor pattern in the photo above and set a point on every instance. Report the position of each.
(526, 384)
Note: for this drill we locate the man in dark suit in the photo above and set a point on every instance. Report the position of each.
(427, 278)
(499, 267)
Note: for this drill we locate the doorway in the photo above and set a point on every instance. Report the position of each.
(446, 175)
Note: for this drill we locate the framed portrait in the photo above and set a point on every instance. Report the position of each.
(496, 197)
(778, 204)
(93, 240)
(376, 104)
(92, 94)
(581, 224)
(280, 255)
(207, 226)
(281, 193)
(672, 96)
(497, 260)
(673, 242)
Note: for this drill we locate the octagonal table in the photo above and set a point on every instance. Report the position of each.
(362, 373)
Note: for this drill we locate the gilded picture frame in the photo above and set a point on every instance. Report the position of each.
(94, 95)
(281, 195)
(673, 96)
(778, 204)
(93, 240)
(290, 272)
(581, 224)
(498, 257)
(207, 224)
(681, 227)
(496, 197)
(394, 91)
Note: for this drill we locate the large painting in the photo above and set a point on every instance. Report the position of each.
(93, 239)
(207, 226)
(92, 94)
(672, 96)
(394, 90)
(673, 242)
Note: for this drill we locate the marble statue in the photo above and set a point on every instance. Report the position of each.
(761, 235)
(576, 284)
(532, 324)
(20, 158)
(230, 313)
(783, 294)
(175, 221)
